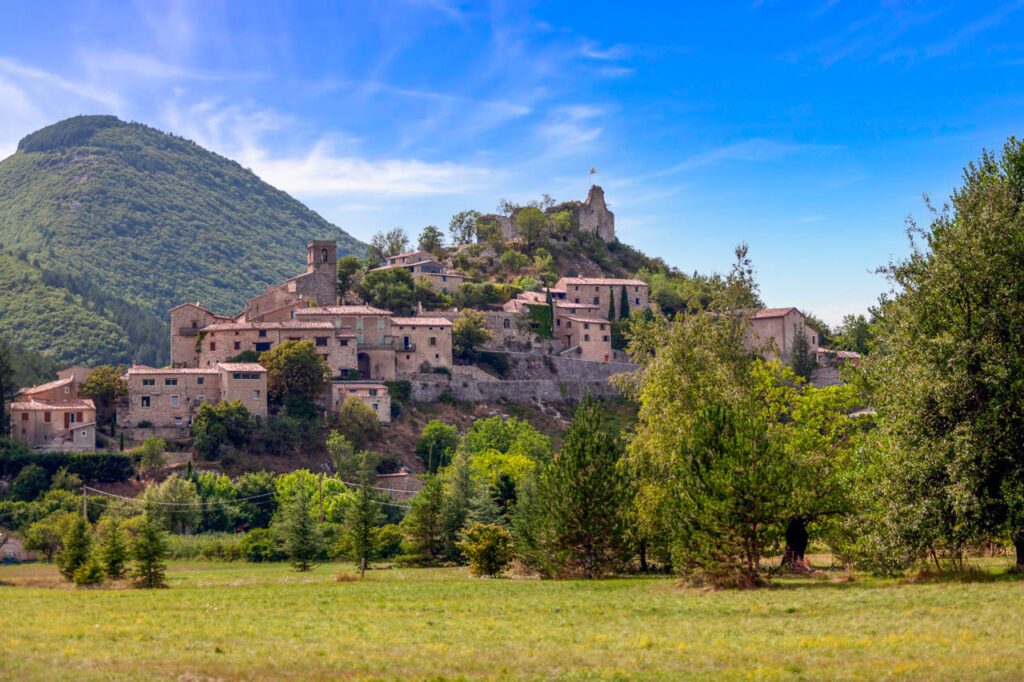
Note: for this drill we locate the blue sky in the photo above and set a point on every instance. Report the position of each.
(809, 131)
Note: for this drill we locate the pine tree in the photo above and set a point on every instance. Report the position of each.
(113, 551)
(77, 543)
(624, 304)
(302, 538)
(149, 550)
(363, 516)
(584, 498)
(423, 525)
(459, 498)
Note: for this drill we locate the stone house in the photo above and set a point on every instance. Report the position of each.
(421, 340)
(775, 329)
(375, 396)
(597, 291)
(371, 327)
(52, 417)
(587, 337)
(163, 402)
(317, 285)
(423, 265)
(220, 342)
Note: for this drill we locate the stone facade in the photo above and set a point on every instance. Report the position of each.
(587, 338)
(374, 396)
(773, 330)
(424, 266)
(595, 291)
(187, 320)
(591, 215)
(220, 342)
(421, 339)
(164, 402)
(52, 417)
(317, 284)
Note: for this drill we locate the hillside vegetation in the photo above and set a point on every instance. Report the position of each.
(105, 225)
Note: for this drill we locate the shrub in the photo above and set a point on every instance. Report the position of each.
(113, 552)
(89, 573)
(496, 361)
(400, 391)
(149, 550)
(102, 467)
(389, 541)
(488, 548)
(77, 543)
(29, 483)
(258, 546)
(357, 422)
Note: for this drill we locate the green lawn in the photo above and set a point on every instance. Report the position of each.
(244, 621)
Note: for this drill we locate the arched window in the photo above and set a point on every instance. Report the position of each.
(323, 255)
(507, 324)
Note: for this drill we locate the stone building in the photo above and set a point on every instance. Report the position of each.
(375, 396)
(596, 291)
(586, 337)
(774, 329)
(223, 341)
(591, 215)
(52, 417)
(163, 402)
(421, 340)
(317, 285)
(424, 266)
(375, 343)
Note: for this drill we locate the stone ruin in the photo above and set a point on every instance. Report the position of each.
(591, 215)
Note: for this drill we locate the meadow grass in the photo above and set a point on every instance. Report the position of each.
(247, 621)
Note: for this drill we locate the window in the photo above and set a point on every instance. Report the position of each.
(586, 325)
(145, 401)
(262, 333)
(558, 323)
(359, 323)
(262, 347)
(380, 339)
(67, 390)
(24, 416)
(380, 323)
(432, 341)
(506, 324)
(359, 338)
(177, 421)
(255, 395)
(576, 288)
(436, 356)
(406, 357)
(637, 301)
(344, 343)
(174, 401)
(604, 337)
(213, 345)
(72, 418)
(375, 406)
(238, 345)
(812, 339)
(149, 382)
(373, 391)
(84, 433)
(170, 382)
(636, 288)
(321, 340)
(245, 375)
(46, 417)
(597, 300)
(586, 337)
(577, 300)
(200, 380)
(444, 278)
(568, 324)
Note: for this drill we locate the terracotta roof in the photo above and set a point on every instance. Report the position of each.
(560, 304)
(410, 253)
(357, 384)
(601, 280)
(242, 366)
(47, 386)
(343, 310)
(847, 354)
(772, 312)
(592, 320)
(422, 321)
(144, 369)
(287, 324)
(41, 405)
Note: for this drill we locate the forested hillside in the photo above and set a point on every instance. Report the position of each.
(105, 225)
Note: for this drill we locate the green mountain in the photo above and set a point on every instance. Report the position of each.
(106, 225)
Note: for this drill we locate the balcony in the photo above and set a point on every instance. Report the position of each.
(407, 348)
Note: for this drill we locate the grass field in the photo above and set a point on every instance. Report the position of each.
(245, 621)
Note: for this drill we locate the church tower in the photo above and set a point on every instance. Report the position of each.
(322, 255)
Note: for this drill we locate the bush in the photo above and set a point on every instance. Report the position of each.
(29, 483)
(400, 391)
(89, 573)
(357, 422)
(100, 467)
(389, 541)
(488, 548)
(259, 546)
(496, 361)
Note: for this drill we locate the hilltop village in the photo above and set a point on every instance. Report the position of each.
(549, 344)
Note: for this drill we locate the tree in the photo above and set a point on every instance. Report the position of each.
(801, 359)
(946, 371)
(148, 549)
(383, 245)
(65, 480)
(469, 332)
(89, 573)
(392, 289)
(30, 482)
(611, 305)
(431, 239)
(258, 501)
(300, 534)
(532, 225)
(225, 423)
(731, 491)
(513, 260)
(357, 422)
(436, 444)
(423, 526)
(175, 504)
(363, 516)
(7, 386)
(584, 497)
(488, 548)
(113, 552)
(856, 333)
(77, 544)
(104, 386)
(295, 369)
(44, 536)
(342, 453)
(348, 268)
(460, 494)
(623, 303)
(463, 227)
(151, 453)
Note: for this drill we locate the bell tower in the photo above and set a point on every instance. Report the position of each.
(321, 256)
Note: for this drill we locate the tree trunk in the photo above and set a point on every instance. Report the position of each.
(796, 542)
(1018, 546)
(643, 556)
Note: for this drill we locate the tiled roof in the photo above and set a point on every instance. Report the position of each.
(42, 405)
(47, 386)
(343, 310)
(242, 366)
(601, 280)
(357, 384)
(577, 306)
(422, 321)
(287, 324)
(592, 320)
(144, 369)
(772, 312)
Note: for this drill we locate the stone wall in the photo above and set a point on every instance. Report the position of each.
(529, 366)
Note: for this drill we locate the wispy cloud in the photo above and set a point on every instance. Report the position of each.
(754, 149)
(965, 34)
(32, 78)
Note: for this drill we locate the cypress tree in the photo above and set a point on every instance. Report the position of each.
(149, 550)
(611, 304)
(363, 516)
(302, 539)
(77, 543)
(624, 304)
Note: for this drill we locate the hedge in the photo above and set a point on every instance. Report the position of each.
(99, 467)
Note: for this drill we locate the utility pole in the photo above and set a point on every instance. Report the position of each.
(321, 497)
(85, 505)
